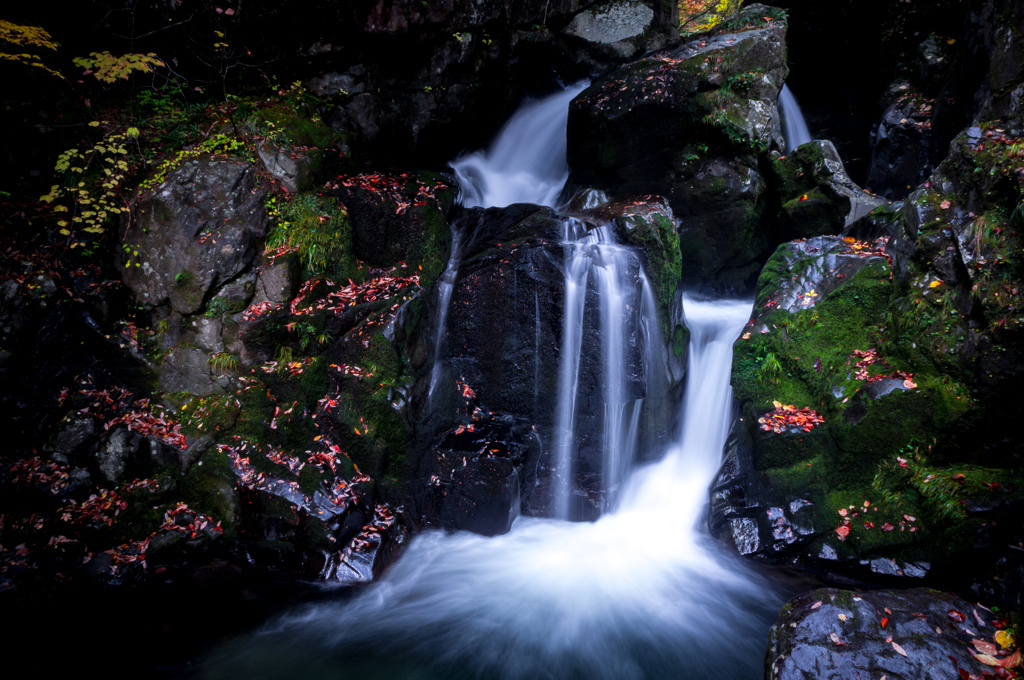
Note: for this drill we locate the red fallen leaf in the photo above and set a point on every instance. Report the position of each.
(888, 639)
(869, 525)
(887, 527)
(1006, 662)
(843, 532)
(994, 486)
(909, 384)
(944, 205)
(1000, 624)
(888, 611)
(957, 616)
(899, 650)
(885, 621)
(985, 647)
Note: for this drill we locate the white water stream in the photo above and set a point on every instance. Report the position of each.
(526, 162)
(794, 127)
(640, 593)
(596, 253)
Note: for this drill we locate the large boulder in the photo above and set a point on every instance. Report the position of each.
(636, 125)
(194, 232)
(688, 124)
(832, 440)
(616, 30)
(816, 194)
(919, 633)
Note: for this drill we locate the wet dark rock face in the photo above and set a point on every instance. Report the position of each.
(503, 352)
(915, 633)
(196, 232)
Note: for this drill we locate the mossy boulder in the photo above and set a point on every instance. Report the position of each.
(817, 196)
(628, 131)
(689, 124)
(819, 339)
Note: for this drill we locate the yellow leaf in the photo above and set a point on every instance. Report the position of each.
(777, 404)
(935, 284)
(1005, 639)
(94, 123)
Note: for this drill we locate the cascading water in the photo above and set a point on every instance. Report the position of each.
(444, 297)
(640, 593)
(526, 162)
(794, 127)
(596, 252)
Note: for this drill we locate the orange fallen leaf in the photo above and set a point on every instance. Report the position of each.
(885, 621)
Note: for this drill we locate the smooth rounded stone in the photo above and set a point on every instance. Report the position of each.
(194, 232)
(616, 28)
(838, 634)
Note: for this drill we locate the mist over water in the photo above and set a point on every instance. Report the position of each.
(526, 162)
(639, 593)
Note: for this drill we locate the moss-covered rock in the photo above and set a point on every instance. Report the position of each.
(399, 219)
(627, 131)
(816, 195)
(821, 338)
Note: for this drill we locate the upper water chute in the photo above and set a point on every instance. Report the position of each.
(794, 126)
(526, 162)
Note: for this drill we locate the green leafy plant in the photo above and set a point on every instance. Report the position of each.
(941, 489)
(223, 362)
(317, 228)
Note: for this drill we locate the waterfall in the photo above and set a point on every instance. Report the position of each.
(595, 252)
(577, 268)
(794, 126)
(638, 594)
(526, 162)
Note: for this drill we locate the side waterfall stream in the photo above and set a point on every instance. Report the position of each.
(794, 127)
(639, 593)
